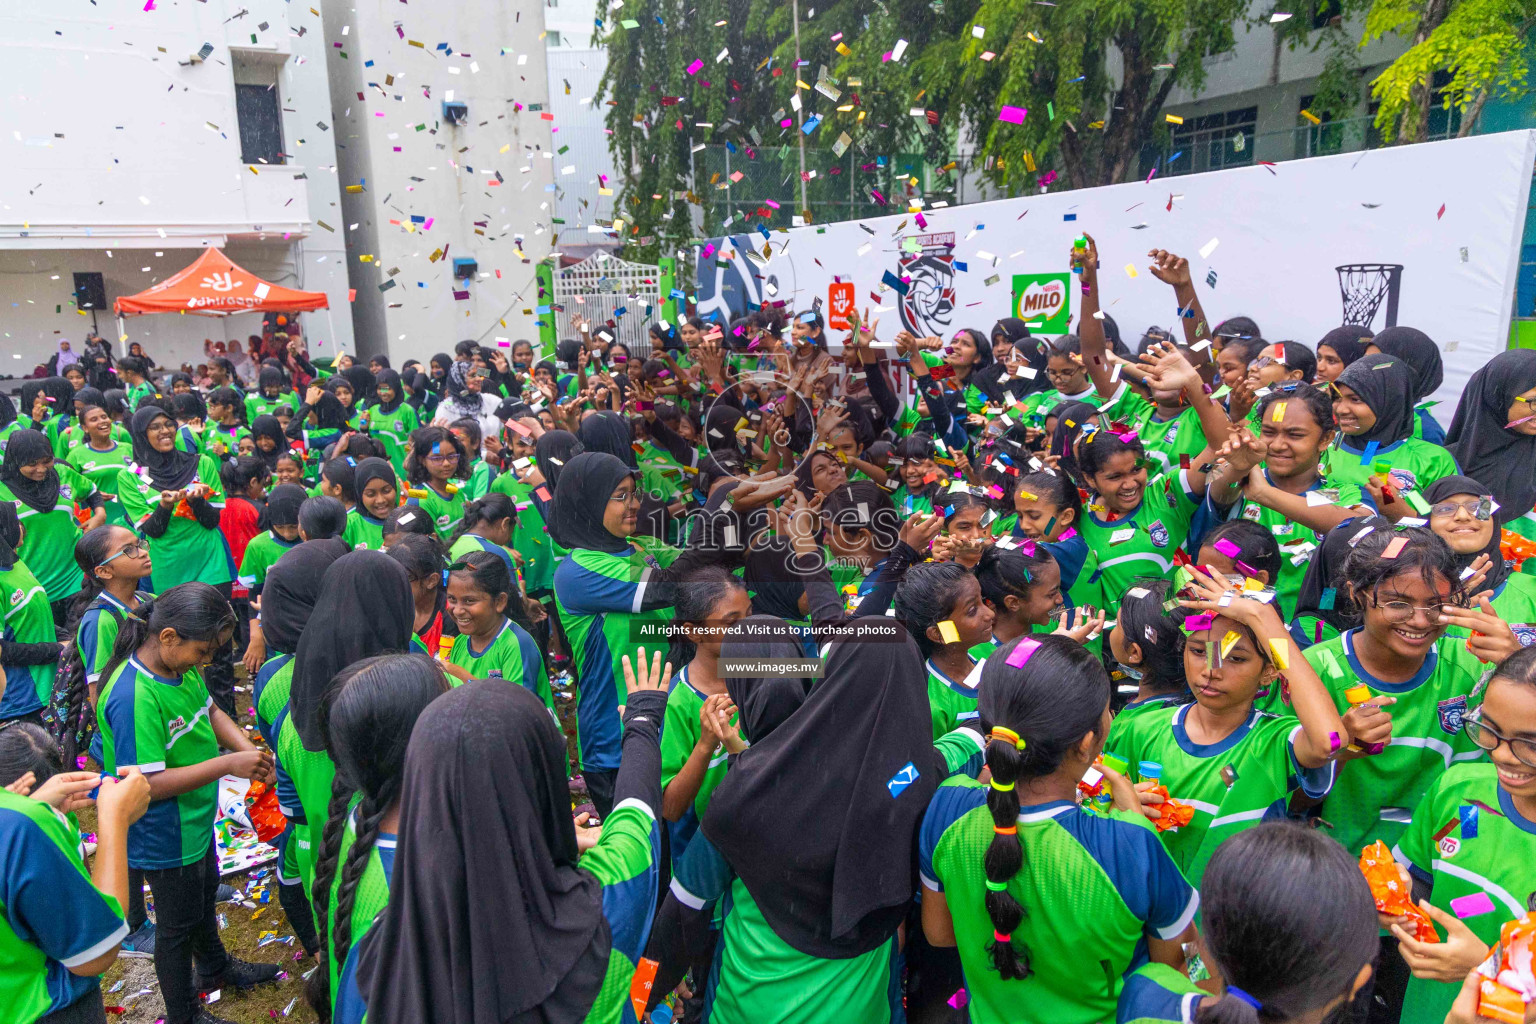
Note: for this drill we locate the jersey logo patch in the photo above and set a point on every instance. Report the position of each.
(902, 779)
(1451, 713)
(176, 724)
(16, 596)
(1449, 845)
(442, 520)
(65, 493)
(1252, 512)
(1159, 533)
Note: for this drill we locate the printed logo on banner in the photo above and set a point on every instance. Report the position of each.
(1043, 301)
(840, 300)
(930, 300)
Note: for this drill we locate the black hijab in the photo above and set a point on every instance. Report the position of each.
(1017, 332)
(490, 919)
(765, 702)
(1348, 342)
(25, 447)
(442, 361)
(1326, 572)
(283, 505)
(1444, 488)
(267, 425)
(61, 394)
(370, 469)
(581, 497)
(362, 380)
(552, 451)
(608, 432)
(293, 586)
(1419, 351)
(89, 396)
(771, 576)
(809, 819)
(390, 379)
(330, 414)
(7, 411)
(421, 386)
(1505, 461)
(10, 535)
(271, 377)
(369, 610)
(30, 389)
(169, 471)
(1385, 383)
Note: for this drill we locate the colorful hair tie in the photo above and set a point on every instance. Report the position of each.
(1011, 830)
(1000, 733)
(1237, 993)
(996, 886)
(1005, 939)
(1003, 787)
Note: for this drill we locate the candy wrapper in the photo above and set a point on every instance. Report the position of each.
(261, 807)
(1509, 974)
(1514, 547)
(235, 827)
(1391, 894)
(1171, 813)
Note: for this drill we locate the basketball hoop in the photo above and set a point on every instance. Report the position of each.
(1364, 286)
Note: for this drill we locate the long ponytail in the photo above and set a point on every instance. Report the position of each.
(1005, 855)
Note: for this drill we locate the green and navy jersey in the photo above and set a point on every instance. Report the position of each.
(261, 554)
(28, 620)
(153, 722)
(258, 404)
(269, 696)
(629, 867)
(312, 772)
(660, 473)
(391, 429)
(1415, 464)
(1158, 994)
(1130, 712)
(74, 436)
(909, 504)
(445, 511)
(1164, 440)
(101, 468)
(479, 481)
(680, 732)
(223, 442)
(512, 655)
(1425, 426)
(54, 918)
(472, 542)
(1142, 542)
(368, 901)
(99, 625)
(139, 392)
(761, 979)
(186, 551)
(49, 543)
(530, 538)
(363, 531)
(952, 702)
(1375, 797)
(1094, 888)
(1477, 852)
(599, 596)
(1232, 784)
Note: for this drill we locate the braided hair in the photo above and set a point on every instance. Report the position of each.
(366, 717)
(1035, 713)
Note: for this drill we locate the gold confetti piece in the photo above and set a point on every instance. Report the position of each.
(1311, 117)
(842, 48)
(366, 258)
(1278, 414)
(1130, 270)
(1281, 650)
(1229, 641)
(948, 631)
(1173, 119)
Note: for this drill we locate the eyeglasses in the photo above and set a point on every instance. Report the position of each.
(1484, 736)
(1402, 611)
(1482, 508)
(451, 457)
(625, 497)
(133, 549)
(1064, 374)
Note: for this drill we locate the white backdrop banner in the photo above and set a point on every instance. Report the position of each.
(1424, 236)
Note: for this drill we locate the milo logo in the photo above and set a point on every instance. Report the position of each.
(1043, 302)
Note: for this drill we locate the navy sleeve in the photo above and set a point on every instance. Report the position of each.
(47, 901)
(1140, 869)
(949, 805)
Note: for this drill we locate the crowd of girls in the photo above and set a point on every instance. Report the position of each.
(1079, 672)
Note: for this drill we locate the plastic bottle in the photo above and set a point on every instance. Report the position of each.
(1358, 695)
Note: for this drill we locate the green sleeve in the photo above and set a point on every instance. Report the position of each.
(1418, 842)
(680, 731)
(959, 748)
(136, 505)
(80, 486)
(624, 850)
(151, 734)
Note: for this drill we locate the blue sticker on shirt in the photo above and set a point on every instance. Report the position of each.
(1468, 821)
(902, 779)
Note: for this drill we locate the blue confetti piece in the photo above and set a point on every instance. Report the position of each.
(1468, 821)
(962, 267)
(902, 779)
(895, 282)
(1175, 157)
(1325, 603)
(1370, 452)
(811, 124)
(1069, 216)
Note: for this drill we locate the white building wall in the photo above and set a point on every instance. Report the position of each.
(406, 161)
(579, 124)
(111, 144)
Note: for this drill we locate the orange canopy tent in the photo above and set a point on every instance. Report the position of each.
(215, 286)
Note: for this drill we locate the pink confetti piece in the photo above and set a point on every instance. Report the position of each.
(960, 999)
(428, 225)
(695, 67)
(1022, 652)
(1196, 623)
(1334, 743)
(1437, 216)
(1013, 115)
(1472, 905)
(1226, 547)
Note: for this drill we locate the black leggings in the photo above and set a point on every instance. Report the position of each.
(86, 1010)
(186, 928)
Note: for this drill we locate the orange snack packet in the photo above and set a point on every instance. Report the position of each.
(266, 818)
(1171, 813)
(1514, 547)
(1391, 895)
(1509, 975)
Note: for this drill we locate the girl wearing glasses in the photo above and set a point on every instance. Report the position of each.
(1461, 513)
(113, 561)
(437, 457)
(1493, 435)
(1471, 850)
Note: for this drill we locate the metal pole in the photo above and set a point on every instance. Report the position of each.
(800, 114)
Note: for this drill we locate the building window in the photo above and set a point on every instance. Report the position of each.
(552, 38)
(1211, 142)
(261, 124)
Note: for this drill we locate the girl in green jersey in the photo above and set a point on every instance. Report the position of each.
(99, 456)
(1373, 406)
(1263, 895)
(1049, 905)
(1470, 853)
(1021, 584)
(378, 494)
(493, 642)
(1461, 514)
(437, 458)
(941, 606)
(46, 496)
(370, 712)
(1148, 646)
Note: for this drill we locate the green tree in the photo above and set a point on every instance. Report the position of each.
(1480, 44)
